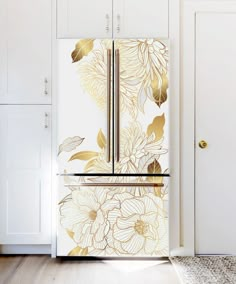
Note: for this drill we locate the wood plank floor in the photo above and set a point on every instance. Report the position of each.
(45, 270)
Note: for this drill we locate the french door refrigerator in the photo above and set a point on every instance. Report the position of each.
(113, 147)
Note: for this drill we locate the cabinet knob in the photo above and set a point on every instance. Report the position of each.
(45, 86)
(107, 23)
(46, 118)
(118, 23)
(202, 144)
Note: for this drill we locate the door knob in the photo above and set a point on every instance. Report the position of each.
(202, 144)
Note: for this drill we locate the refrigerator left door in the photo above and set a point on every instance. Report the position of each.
(84, 87)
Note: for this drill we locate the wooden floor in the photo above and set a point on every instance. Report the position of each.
(45, 270)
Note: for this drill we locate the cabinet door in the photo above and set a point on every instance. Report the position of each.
(25, 52)
(143, 18)
(84, 106)
(25, 181)
(141, 106)
(83, 19)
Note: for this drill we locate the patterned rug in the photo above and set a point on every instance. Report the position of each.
(206, 269)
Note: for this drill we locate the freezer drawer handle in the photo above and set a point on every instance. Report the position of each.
(117, 53)
(108, 105)
(146, 184)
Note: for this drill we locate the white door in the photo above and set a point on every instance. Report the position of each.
(215, 183)
(25, 52)
(143, 18)
(25, 180)
(84, 19)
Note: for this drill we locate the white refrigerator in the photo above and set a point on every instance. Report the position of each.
(113, 147)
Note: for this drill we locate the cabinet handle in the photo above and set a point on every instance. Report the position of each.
(45, 86)
(107, 23)
(46, 123)
(118, 23)
(117, 86)
(146, 184)
(108, 105)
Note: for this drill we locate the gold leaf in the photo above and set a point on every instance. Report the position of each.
(82, 48)
(89, 165)
(78, 251)
(154, 167)
(101, 139)
(70, 233)
(160, 93)
(65, 199)
(83, 155)
(157, 127)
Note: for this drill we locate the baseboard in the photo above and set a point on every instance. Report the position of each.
(25, 249)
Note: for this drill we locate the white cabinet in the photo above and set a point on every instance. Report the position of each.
(143, 18)
(25, 52)
(118, 18)
(76, 18)
(25, 180)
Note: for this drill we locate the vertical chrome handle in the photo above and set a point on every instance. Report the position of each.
(108, 105)
(117, 85)
(45, 86)
(46, 120)
(107, 23)
(118, 23)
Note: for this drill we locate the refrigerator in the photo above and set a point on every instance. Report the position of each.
(113, 147)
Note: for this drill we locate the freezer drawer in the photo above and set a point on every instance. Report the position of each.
(111, 220)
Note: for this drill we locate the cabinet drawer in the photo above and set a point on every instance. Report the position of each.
(113, 219)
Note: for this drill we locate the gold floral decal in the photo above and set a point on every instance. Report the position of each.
(78, 251)
(159, 91)
(146, 61)
(82, 48)
(69, 144)
(156, 127)
(84, 155)
(101, 139)
(125, 221)
(143, 73)
(155, 168)
(102, 221)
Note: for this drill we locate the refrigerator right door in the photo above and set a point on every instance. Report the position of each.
(141, 126)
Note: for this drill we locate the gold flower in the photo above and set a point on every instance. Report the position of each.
(136, 228)
(136, 146)
(146, 60)
(84, 212)
(93, 76)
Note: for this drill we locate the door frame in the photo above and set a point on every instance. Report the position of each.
(188, 97)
